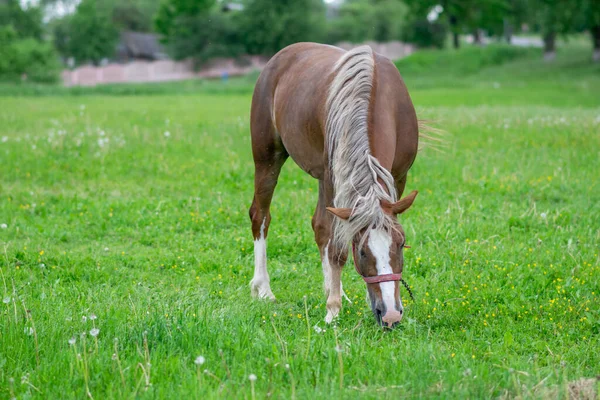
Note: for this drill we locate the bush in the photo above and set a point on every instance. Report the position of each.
(36, 61)
(425, 34)
(467, 60)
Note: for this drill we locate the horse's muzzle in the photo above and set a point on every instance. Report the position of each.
(387, 318)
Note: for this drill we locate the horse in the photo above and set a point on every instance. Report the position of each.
(346, 119)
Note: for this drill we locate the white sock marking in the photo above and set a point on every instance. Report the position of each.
(260, 282)
(326, 270)
(327, 274)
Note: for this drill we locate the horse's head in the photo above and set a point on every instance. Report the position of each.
(378, 258)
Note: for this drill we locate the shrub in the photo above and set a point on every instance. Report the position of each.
(425, 34)
(30, 58)
(467, 60)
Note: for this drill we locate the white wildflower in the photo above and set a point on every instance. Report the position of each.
(84, 319)
(167, 133)
(72, 340)
(543, 215)
(93, 317)
(28, 331)
(199, 360)
(94, 332)
(3, 226)
(4, 139)
(252, 377)
(6, 300)
(317, 329)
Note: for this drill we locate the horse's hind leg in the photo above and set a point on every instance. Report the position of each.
(269, 157)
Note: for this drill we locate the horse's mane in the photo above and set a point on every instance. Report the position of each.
(357, 175)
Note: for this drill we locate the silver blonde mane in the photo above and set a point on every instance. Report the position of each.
(356, 174)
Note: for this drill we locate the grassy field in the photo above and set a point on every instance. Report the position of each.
(128, 214)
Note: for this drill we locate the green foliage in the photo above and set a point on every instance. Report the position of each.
(25, 22)
(200, 29)
(425, 34)
(26, 58)
(173, 13)
(465, 16)
(464, 61)
(92, 32)
(135, 15)
(361, 20)
(556, 16)
(197, 29)
(89, 35)
(266, 26)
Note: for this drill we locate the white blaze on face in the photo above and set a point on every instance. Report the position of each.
(379, 244)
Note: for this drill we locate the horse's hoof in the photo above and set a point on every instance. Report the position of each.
(331, 316)
(262, 290)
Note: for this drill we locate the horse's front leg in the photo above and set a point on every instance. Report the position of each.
(332, 259)
(336, 262)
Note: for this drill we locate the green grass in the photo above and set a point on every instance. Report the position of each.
(107, 215)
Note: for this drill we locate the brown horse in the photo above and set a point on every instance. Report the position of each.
(347, 120)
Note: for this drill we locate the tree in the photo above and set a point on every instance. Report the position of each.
(27, 23)
(134, 15)
(554, 17)
(26, 58)
(23, 52)
(89, 35)
(197, 29)
(465, 15)
(592, 11)
(360, 20)
(267, 26)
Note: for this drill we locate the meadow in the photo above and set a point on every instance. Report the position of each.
(126, 250)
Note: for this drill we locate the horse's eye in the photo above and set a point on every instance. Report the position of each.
(363, 254)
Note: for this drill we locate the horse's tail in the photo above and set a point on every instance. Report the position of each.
(431, 137)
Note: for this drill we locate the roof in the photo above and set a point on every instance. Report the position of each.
(142, 45)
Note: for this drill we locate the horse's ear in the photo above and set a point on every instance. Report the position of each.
(343, 213)
(404, 204)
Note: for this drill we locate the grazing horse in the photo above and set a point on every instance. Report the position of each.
(345, 117)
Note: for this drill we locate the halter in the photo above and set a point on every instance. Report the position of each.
(377, 278)
(381, 278)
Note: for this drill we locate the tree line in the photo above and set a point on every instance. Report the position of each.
(32, 37)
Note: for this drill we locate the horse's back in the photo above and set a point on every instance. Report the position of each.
(291, 93)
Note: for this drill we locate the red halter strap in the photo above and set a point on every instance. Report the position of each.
(377, 278)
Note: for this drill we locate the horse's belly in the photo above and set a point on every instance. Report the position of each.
(306, 151)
